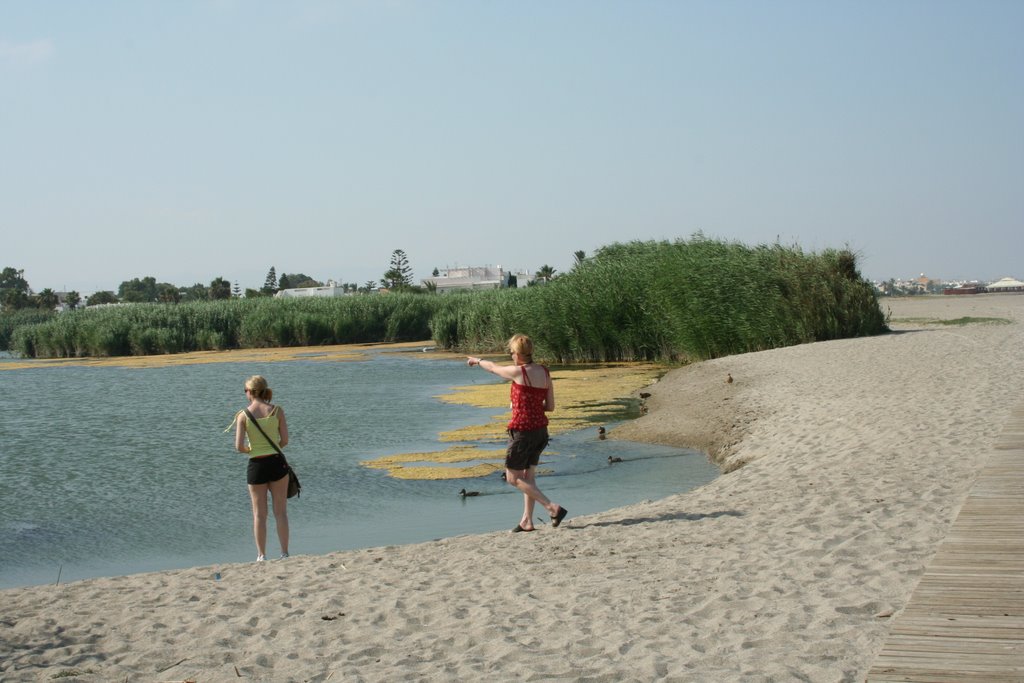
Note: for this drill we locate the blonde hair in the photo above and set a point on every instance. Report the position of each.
(523, 345)
(258, 388)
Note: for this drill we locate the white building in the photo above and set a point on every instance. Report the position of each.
(330, 289)
(473, 277)
(1007, 284)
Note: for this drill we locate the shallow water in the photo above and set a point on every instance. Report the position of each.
(112, 470)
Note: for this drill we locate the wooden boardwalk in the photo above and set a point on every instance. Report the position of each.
(965, 619)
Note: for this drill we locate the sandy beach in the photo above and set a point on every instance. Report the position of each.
(846, 463)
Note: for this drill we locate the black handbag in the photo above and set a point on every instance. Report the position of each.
(294, 487)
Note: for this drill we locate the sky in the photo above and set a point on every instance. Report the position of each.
(188, 140)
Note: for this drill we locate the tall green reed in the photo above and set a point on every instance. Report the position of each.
(147, 329)
(669, 301)
(673, 301)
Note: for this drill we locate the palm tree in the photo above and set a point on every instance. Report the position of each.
(47, 299)
(545, 274)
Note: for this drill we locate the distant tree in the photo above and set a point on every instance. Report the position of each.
(197, 292)
(167, 293)
(47, 299)
(72, 299)
(431, 287)
(399, 275)
(369, 286)
(435, 273)
(236, 291)
(220, 289)
(12, 278)
(270, 284)
(297, 281)
(545, 274)
(12, 300)
(137, 290)
(513, 281)
(578, 259)
(99, 298)
(14, 289)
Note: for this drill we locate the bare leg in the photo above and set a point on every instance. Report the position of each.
(518, 479)
(279, 494)
(527, 521)
(258, 495)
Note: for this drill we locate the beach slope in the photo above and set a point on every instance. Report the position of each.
(848, 461)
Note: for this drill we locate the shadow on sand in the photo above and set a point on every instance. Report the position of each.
(686, 516)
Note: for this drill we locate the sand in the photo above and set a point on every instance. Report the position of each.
(856, 457)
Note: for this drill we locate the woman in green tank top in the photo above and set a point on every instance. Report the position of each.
(267, 472)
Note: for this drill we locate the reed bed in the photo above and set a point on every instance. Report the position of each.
(12, 320)
(676, 302)
(151, 329)
(663, 301)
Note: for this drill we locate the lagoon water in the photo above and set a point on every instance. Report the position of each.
(117, 470)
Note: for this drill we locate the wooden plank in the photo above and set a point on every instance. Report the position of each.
(964, 622)
(988, 648)
(896, 674)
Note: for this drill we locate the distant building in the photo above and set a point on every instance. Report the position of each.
(470, 278)
(62, 302)
(964, 288)
(330, 289)
(1007, 284)
(923, 283)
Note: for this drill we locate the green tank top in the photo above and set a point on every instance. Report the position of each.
(259, 445)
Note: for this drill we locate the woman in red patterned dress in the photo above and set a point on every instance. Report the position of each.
(533, 396)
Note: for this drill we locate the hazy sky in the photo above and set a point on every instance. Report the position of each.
(189, 139)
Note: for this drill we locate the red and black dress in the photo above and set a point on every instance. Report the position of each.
(528, 428)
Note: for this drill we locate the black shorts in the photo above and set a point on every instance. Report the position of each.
(266, 469)
(524, 448)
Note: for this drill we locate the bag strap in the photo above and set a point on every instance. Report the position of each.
(269, 440)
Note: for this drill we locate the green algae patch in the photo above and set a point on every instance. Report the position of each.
(585, 396)
(399, 467)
